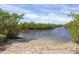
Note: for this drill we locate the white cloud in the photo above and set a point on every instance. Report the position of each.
(12, 8)
(51, 17)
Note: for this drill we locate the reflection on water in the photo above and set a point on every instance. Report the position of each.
(58, 33)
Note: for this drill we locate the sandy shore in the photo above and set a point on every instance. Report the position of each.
(40, 46)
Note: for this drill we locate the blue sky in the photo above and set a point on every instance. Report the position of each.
(43, 13)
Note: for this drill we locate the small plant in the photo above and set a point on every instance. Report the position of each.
(2, 38)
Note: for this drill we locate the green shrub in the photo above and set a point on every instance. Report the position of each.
(73, 27)
(9, 25)
(2, 38)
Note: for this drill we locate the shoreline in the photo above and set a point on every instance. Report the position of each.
(40, 46)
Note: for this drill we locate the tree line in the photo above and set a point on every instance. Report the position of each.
(38, 26)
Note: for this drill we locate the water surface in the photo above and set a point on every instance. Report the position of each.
(55, 34)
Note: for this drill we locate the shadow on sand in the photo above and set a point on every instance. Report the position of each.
(5, 45)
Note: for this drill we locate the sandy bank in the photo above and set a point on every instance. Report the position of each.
(41, 46)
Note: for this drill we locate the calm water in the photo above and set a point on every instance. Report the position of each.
(58, 33)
